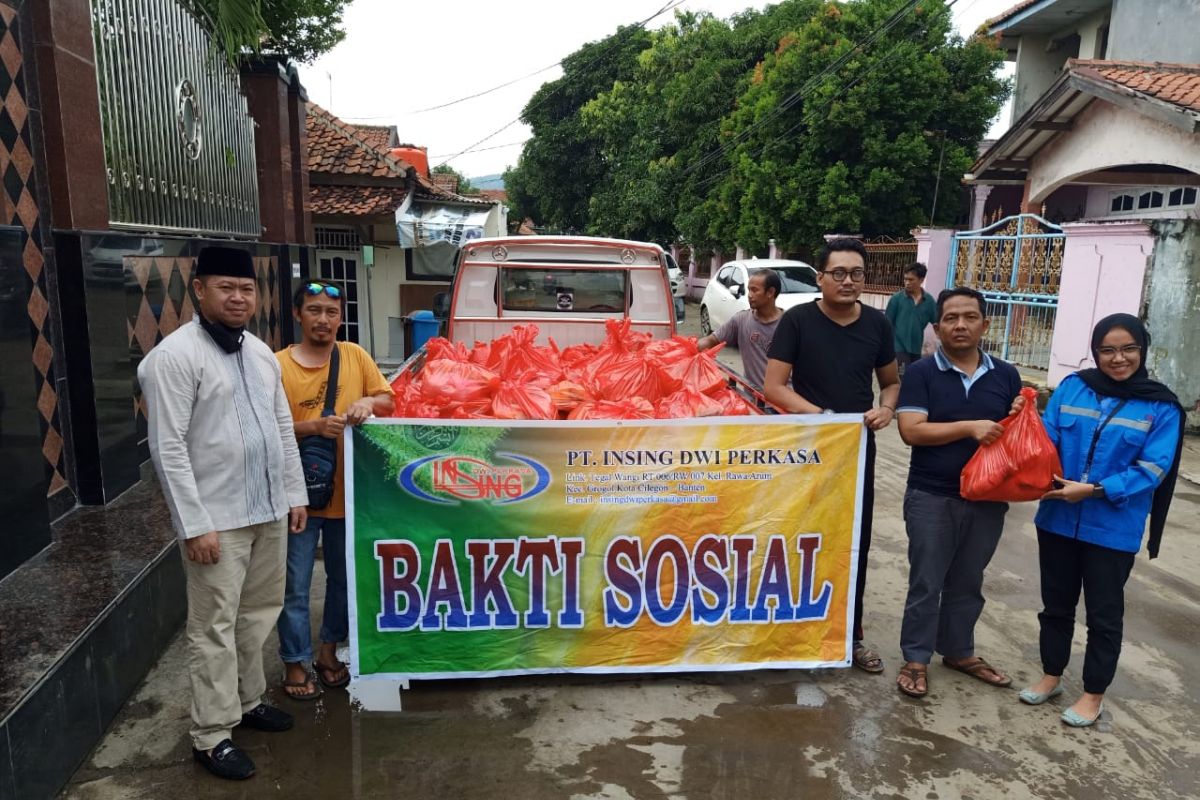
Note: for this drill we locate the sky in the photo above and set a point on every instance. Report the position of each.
(400, 58)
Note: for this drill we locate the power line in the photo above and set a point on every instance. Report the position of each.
(472, 148)
(493, 147)
(497, 88)
(809, 86)
(845, 87)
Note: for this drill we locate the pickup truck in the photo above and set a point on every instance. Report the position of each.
(569, 287)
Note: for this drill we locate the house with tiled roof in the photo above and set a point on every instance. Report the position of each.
(1102, 162)
(1106, 106)
(370, 209)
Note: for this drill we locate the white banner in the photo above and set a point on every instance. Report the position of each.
(422, 225)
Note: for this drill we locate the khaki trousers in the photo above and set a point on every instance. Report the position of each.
(232, 606)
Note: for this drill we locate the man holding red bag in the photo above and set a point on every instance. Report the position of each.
(949, 404)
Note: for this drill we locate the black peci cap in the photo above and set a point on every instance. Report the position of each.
(226, 261)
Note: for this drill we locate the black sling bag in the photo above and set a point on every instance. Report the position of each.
(318, 455)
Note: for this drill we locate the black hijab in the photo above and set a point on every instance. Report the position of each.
(1139, 386)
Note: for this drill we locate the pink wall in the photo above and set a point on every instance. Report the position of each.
(933, 250)
(1104, 268)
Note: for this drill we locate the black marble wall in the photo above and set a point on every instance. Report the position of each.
(121, 294)
(23, 471)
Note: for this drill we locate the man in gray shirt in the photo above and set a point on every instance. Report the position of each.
(751, 331)
(221, 438)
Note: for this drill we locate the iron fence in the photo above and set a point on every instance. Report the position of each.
(887, 259)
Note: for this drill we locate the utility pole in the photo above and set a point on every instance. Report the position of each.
(937, 184)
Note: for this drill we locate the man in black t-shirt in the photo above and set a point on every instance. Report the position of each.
(829, 351)
(950, 403)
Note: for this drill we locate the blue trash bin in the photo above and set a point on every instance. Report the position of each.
(424, 327)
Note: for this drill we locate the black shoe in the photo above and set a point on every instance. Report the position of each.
(226, 761)
(267, 718)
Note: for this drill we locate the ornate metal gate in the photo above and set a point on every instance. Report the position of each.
(1017, 264)
(178, 139)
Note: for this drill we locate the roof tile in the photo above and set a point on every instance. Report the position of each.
(336, 147)
(355, 201)
(1177, 84)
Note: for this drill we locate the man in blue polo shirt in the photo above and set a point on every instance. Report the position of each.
(949, 404)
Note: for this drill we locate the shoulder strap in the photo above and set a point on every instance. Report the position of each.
(331, 382)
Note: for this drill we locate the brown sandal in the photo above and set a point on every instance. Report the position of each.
(304, 684)
(976, 670)
(867, 659)
(914, 674)
(330, 683)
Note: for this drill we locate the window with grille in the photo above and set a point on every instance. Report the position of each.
(341, 270)
(337, 239)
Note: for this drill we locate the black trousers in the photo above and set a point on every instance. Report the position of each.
(864, 536)
(1069, 565)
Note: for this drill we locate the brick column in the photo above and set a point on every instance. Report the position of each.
(71, 132)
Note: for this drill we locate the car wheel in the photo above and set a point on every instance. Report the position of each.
(705, 324)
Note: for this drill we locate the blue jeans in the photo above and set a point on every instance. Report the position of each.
(295, 630)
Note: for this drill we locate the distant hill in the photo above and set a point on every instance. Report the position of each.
(488, 182)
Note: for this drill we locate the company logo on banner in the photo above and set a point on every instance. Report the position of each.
(454, 478)
(668, 545)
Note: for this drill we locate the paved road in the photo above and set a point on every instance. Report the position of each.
(812, 735)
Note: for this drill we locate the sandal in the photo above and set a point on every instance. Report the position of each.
(321, 671)
(308, 685)
(977, 669)
(867, 659)
(914, 674)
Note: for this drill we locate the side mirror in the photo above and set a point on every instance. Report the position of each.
(738, 290)
(441, 305)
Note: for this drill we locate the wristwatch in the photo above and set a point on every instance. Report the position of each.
(1097, 490)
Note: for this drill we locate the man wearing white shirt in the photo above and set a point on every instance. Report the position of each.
(221, 439)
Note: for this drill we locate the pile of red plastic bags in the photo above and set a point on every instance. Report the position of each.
(629, 376)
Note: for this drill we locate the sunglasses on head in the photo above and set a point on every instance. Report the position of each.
(314, 289)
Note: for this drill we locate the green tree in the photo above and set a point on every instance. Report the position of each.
(300, 29)
(773, 124)
(558, 168)
(860, 149)
(664, 119)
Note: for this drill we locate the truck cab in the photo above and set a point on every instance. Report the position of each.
(568, 286)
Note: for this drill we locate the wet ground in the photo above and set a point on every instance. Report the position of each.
(762, 735)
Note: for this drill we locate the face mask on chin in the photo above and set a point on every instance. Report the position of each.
(227, 338)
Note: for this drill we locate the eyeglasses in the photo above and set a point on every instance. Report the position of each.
(857, 274)
(1129, 351)
(314, 289)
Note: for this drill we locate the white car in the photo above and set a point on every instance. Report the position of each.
(678, 284)
(725, 294)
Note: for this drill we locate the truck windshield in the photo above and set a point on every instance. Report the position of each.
(551, 290)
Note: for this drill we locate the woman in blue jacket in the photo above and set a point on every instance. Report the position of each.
(1119, 434)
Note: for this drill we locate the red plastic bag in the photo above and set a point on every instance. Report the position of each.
(687, 402)
(632, 408)
(447, 384)
(520, 399)
(633, 376)
(440, 349)
(1018, 466)
(732, 403)
(700, 371)
(568, 394)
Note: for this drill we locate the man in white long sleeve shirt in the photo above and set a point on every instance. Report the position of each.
(223, 446)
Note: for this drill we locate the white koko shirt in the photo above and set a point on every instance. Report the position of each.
(221, 434)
